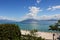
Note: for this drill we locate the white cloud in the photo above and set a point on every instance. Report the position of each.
(33, 11)
(47, 17)
(49, 8)
(54, 7)
(43, 17)
(7, 18)
(4, 17)
(38, 1)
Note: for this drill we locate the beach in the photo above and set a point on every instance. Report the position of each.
(46, 35)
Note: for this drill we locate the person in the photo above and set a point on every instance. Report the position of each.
(53, 36)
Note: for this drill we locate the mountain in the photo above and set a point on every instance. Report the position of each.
(30, 21)
(6, 21)
(52, 20)
(27, 21)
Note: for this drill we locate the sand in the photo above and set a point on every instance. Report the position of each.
(46, 35)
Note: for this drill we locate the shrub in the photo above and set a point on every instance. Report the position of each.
(9, 32)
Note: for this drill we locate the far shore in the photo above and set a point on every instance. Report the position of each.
(46, 35)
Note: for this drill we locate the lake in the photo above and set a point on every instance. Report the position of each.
(41, 26)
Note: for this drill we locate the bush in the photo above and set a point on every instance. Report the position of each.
(9, 32)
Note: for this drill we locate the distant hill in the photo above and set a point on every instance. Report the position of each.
(30, 21)
(52, 20)
(27, 21)
(6, 21)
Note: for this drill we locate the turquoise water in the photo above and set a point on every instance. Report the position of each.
(42, 26)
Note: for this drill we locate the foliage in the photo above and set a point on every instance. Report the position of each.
(33, 32)
(58, 21)
(29, 37)
(12, 32)
(55, 26)
(9, 32)
(32, 36)
(40, 38)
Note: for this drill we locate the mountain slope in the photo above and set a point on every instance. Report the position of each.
(41, 22)
(6, 21)
(29, 21)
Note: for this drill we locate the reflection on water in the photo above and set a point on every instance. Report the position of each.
(39, 26)
(34, 26)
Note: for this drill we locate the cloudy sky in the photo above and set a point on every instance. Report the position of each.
(22, 9)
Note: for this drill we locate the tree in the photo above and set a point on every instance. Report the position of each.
(58, 21)
(32, 36)
(33, 32)
(9, 32)
(55, 27)
(40, 38)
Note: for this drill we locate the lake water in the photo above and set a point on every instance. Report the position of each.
(42, 26)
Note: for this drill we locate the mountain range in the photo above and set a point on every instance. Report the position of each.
(6, 21)
(36, 21)
(25, 21)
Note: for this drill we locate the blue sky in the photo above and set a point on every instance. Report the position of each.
(22, 9)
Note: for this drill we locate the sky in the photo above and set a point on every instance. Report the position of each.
(22, 9)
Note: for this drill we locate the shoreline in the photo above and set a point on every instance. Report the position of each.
(46, 35)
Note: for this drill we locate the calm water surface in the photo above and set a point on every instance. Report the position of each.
(42, 26)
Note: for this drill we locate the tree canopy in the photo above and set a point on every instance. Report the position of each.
(56, 26)
(9, 32)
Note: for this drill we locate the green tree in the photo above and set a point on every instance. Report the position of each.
(55, 27)
(33, 35)
(40, 38)
(58, 21)
(33, 32)
(9, 32)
